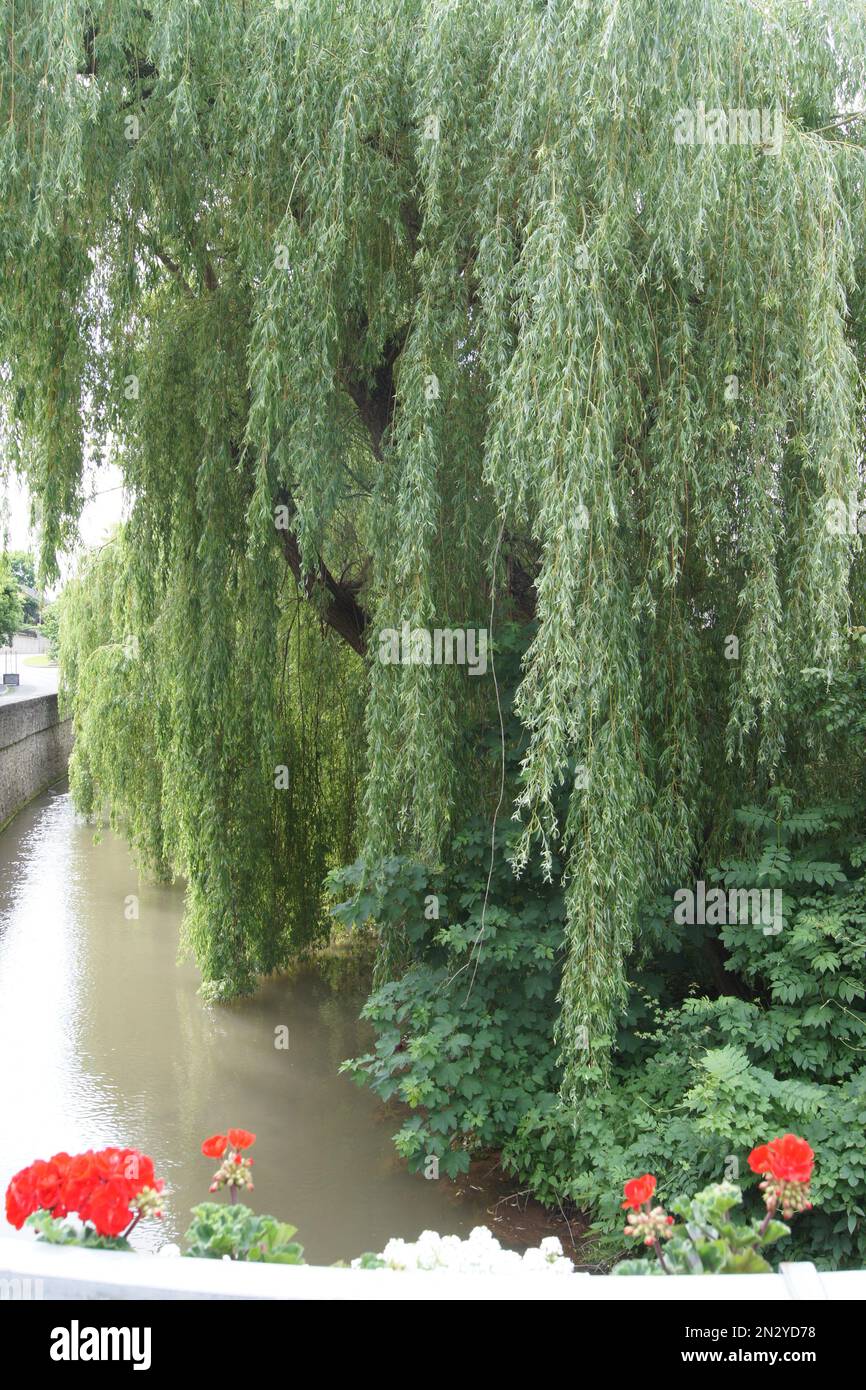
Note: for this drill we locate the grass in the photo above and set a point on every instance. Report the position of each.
(42, 660)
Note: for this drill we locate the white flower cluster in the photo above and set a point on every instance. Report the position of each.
(480, 1254)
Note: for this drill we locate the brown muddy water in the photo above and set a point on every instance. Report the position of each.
(104, 1040)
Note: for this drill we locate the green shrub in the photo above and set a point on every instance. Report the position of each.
(217, 1231)
(464, 1036)
(729, 1031)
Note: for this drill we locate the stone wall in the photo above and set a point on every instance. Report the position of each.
(34, 751)
(26, 645)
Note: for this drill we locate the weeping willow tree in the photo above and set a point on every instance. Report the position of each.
(129, 763)
(552, 310)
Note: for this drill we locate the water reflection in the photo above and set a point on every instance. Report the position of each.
(103, 1039)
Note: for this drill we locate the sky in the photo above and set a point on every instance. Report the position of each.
(101, 512)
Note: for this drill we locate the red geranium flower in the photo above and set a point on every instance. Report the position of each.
(21, 1199)
(241, 1138)
(80, 1178)
(791, 1159)
(145, 1175)
(108, 1208)
(759, 1159)
(639, 1190)
(136, 1169)
(46, 1179)
(215, 1146)
(98, 1186)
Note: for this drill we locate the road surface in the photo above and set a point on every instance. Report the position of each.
(35, 680)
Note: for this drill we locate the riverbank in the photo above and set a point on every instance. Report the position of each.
(35, 743)
(519, 1221)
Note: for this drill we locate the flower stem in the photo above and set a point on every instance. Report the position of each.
(771, 1211)
(131, 1227)
(658, 1249)
(647, 1206)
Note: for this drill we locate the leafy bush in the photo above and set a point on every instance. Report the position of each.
(464, 1034)
(687, 1095)
(217, 1231)
(10, 603)
(465, 1038)
(728, 1030)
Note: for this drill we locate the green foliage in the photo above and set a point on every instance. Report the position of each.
(241, 245)
(218, 1230)
(23, 568)
(708, 1241)
(11, 612)
(461, 308)
(729, 1032)
(464, 1036)
(254, 860)
(688, 1097)
(51, 628)
(370, 1261)
(468, 970)
(56, 1231)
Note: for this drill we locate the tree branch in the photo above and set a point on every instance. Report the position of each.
(375, 396)
(341, 611)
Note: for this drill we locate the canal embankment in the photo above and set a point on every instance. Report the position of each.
(35, 743)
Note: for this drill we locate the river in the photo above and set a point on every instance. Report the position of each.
(104, 1040)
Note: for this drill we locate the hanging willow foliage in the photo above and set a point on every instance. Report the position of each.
(464, 294)
(290, 805)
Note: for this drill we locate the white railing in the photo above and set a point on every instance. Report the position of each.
(32, 1269)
